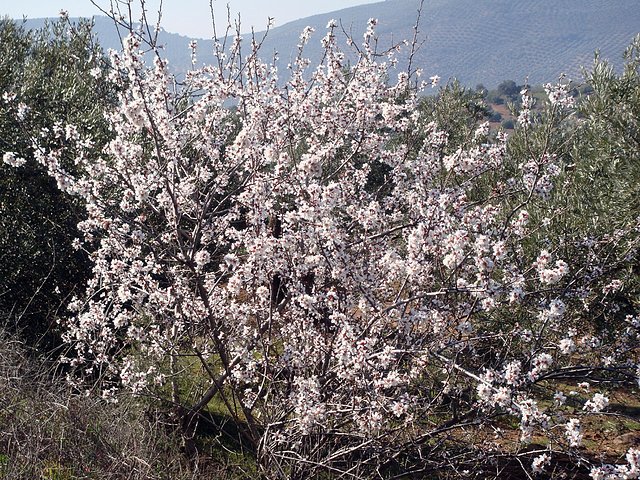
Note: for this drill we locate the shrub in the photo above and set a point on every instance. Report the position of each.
(46, 81)
(243, 261)
(509, 88)
(508, 124)
(495, 116)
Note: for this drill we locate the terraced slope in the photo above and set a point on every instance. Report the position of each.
(476, 41)
(490, 40)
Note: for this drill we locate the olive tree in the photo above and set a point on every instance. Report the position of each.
(48, 78)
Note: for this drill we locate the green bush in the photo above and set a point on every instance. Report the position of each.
(508, 124)
(495, 116)
(509, 88)
(457, 111)
(46, 80)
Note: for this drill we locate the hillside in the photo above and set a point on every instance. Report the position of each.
(491, 40)
(476, 42)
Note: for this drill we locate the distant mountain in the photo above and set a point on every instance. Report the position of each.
(476, 41)
(487, 41)
(175, 46)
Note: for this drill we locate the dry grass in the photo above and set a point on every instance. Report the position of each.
(48, 431)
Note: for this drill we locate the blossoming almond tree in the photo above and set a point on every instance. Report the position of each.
(319, 262)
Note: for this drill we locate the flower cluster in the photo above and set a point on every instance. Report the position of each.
(11, 159)
(620, 472)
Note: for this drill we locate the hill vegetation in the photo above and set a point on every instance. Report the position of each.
(474, 41)
(485, 42)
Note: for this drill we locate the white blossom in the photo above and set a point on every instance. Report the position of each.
(597, 403)
(10, 158)
(573, 432)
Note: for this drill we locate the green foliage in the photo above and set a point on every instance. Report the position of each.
(495, 116)
(457, 111)
(47, 81)
(608, 153)
(507, 92)
(4, 462)
(607, 191)
(495, 98)
(595, 213)
(507, 124)
(509, 88)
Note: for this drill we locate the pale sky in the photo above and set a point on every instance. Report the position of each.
(187, 17)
